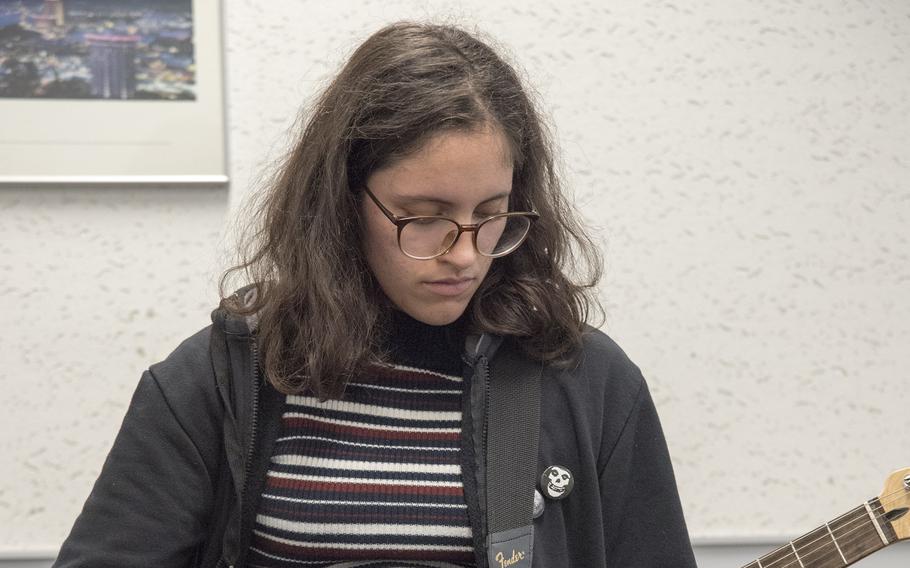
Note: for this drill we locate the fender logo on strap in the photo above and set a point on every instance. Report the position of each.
(511, 548)
(516, 557)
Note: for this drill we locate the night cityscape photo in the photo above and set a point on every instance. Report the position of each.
(97, 49)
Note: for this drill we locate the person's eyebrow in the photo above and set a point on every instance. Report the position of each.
(413, 199)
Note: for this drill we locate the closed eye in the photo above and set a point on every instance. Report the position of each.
(414, 205)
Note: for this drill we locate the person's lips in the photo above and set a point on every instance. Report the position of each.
(450, 286)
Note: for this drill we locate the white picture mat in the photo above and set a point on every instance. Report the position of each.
(44, 140)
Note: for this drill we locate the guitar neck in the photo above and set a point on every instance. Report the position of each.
(838, 543)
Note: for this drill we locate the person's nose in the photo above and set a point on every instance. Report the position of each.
(462, 254)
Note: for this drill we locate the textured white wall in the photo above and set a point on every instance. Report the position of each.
(745, 164)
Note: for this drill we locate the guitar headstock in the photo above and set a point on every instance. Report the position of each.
(895, 500)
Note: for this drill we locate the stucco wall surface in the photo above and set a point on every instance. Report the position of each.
(744, 165)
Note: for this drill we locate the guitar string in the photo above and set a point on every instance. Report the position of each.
(865, 531)
(842, 539)
(803, 555)
(885, 499)
(861, 520)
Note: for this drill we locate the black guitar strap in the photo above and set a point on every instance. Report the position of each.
(513, 420)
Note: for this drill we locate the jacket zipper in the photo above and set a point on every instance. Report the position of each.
(487, 395)
(486, 405)
(254, 415)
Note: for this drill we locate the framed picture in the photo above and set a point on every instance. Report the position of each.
(111, 91)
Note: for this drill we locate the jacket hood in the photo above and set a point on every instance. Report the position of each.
(485, 344)
(233, 324)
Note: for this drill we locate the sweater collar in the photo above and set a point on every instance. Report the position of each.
(434, 347)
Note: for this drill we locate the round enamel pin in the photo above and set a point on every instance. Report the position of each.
(556, 482)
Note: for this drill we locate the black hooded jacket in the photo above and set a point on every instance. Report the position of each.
(181, 484)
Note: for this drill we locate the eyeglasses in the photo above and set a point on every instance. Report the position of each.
(423, 237)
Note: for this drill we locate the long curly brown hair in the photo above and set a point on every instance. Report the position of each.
(320, 313)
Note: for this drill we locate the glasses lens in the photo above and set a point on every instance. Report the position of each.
(501, 235)
(426, 238)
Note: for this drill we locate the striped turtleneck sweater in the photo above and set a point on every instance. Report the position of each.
(373, 479)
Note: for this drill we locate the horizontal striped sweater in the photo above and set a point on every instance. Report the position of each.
(374, 478)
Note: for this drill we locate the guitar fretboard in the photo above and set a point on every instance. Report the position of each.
(839, 543)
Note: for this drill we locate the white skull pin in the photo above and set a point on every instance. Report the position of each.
(556, 482)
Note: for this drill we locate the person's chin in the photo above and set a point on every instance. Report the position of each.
(443, 313)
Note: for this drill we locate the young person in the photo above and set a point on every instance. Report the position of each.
(332, 414)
